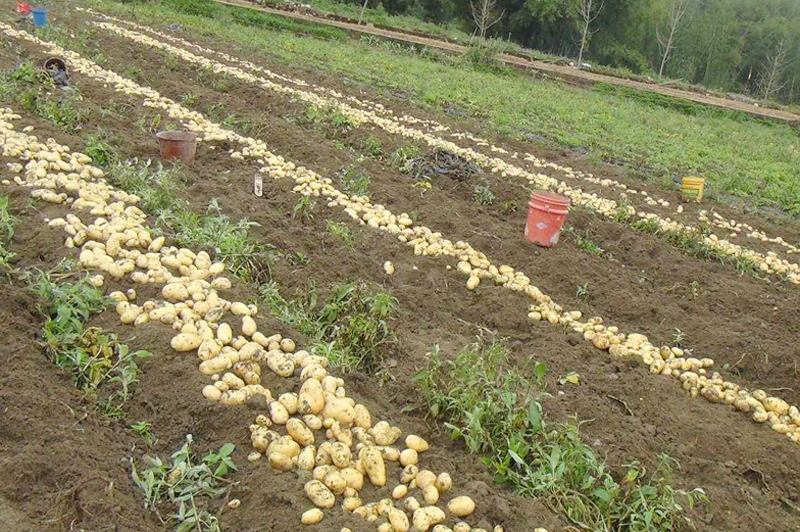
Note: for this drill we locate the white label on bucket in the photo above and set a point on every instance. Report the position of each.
(541, 226)
(258, 184)
(554, 238)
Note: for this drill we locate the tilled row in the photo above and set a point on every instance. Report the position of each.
(377, 114)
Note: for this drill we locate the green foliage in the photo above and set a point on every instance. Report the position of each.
(101, 152)
(350, 326)
(373, 146)
(341, 230)
(7, 223)
(354, 181)
(143, 429)
(187, 485)
(483, 58)
(304, 209)
(493, 407)
(584, 243)
(482, 193)
(92, 357)
(34, 91)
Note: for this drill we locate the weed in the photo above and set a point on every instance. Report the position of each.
(143, 429)
(585, 244)
(373, 146)
(99, 150)
(583, 291)
(26, 83)
(189, 99)
(186, 484)
(402, 157)
(678, 337)
(490, 405)
(300, 259)
(509, 206)
(350, 326)
(304, 209)
(341, 230)
(354, 181)
(7, 223)
(482, 193)
(91, 357)
(623, 212)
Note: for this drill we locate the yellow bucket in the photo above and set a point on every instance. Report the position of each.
(693, 187)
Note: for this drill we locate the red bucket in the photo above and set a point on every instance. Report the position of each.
(177, 145)
(546, 214)
(22, 7)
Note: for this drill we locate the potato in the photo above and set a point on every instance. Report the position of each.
(362, 417)
(385, 527)
(209, 349)
(289, 402)
(312, 517)
(335, 482)
(320, 472)
(444, 483)
(297, 429)
(279, 364)
(399, 492)
(341, 455)
(249, 326)
(284, 445)
(224, 333)
(430, 494)
(338, 409)
(409, 457)
(421, 520)
(416, 443)
(398, 520)
(385, 434)
(343, 435)
(410, 472)
(353, 478)
(305, 460)
(240, 309)
(441, 528)
(288, 345)
(278, 413)
(425, 478)
(374, 466)
(186, 342)
(319, 494)
(233, 381)
(311, 398)
(175, 292)
(313, 422)
(280, 461)
(351, 503)
(219, 363)
(324, 453)
(462, 527)
(411, 505)
(211, 393)
(461, 506)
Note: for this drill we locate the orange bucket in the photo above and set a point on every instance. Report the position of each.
(177, 145)
(546, 214)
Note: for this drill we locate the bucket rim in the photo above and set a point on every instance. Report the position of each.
(551, 197)
(39, 10)
(175, 135)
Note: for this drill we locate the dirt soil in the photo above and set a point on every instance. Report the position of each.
(67, 467)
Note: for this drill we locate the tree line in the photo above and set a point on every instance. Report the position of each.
(748, 46)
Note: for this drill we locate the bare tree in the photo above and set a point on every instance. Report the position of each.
(677, 9)
(361, 15)
(588, 11)
(769, 82)
(483, 14)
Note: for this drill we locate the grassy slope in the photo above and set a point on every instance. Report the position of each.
(739, 156)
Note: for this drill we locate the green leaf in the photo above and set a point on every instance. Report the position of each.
(535, 416)
(226, 450)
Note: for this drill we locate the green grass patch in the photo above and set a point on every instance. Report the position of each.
(350, 325)
(7, 223)
(493, 406)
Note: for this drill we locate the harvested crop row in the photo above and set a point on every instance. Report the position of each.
(118, 242)
(769, 263)
(665, 361)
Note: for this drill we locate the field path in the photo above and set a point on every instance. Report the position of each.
(566, 73)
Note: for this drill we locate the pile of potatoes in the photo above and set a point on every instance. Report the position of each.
(738, 228)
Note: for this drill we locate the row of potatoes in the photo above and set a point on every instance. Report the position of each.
(192, 306)
(377, 115)
(470, 259)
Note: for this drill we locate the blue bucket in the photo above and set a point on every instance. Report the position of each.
(39, 16)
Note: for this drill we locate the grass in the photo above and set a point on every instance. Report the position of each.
(743, 158)
(7, 223)
(349, 325)
(585, 244)
(92, 357)
(494, 408)
(354, 181)
(341, 230)
(189, 486)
